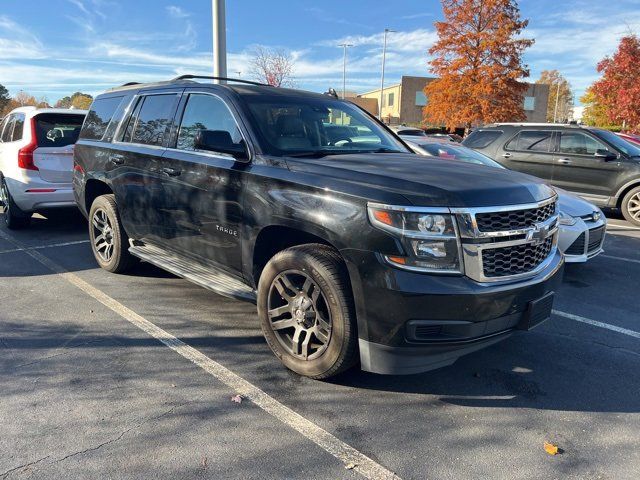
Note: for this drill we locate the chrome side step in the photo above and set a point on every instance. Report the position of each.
(207, 277)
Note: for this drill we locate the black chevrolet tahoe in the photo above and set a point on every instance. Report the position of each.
(353, 248)
(594, 163)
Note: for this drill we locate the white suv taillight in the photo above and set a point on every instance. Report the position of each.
(25, 154)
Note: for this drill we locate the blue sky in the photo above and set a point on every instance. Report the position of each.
(55, 47)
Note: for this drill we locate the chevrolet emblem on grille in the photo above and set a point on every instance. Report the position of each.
(538, 233)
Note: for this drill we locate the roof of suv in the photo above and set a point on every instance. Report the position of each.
(34, 111)
(531, 124)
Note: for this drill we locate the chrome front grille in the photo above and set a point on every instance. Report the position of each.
(501, 244)
(516, 259)
(514, 219)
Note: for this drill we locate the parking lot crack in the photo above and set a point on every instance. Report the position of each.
(20, 467)
(122, 433)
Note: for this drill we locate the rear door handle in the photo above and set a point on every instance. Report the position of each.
(172, 172)
(564, 161)
(506, 155)
(116, 159)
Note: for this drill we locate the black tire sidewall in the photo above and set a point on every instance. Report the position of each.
(120, 238)
(625, 206)
(337, 302)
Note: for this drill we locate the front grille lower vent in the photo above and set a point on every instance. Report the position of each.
(514, 219)
(516, 259)
(577, 247)
(595, 239)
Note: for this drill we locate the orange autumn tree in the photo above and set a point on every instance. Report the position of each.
(619, 88)
(478, 59)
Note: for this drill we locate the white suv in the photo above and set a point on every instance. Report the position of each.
(36, 161)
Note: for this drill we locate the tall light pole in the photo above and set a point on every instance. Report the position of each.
(219, 39)
(384, 58)
(344, 68)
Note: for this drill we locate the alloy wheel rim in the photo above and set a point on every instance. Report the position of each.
(633, 207)
(103, 235)
(299, 315)
(4, 199)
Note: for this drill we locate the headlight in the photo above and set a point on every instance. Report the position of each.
(429, 238)
(567, 219)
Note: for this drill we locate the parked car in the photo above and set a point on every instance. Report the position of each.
(596, 164)
(407, 131)
(36, 161)
(630, 137)
(352, 250)
(582, 225)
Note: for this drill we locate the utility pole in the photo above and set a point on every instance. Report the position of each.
(219, 39)
(344, 67)
(555, 111)
(384, 58)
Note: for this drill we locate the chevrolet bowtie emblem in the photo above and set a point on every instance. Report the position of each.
(538, 233)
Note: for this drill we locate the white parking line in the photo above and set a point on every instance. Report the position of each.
(595, 323)
(344, 452)
(624, 259)
(40, 247)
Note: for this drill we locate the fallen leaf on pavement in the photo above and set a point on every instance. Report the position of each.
(350, 466)
(237, 398)
(551, 449)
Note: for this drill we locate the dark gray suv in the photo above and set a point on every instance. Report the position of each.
(596, 164)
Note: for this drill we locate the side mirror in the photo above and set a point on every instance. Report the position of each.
(220, 141)
(606, 155)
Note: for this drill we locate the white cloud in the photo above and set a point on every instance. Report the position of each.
(177, 12)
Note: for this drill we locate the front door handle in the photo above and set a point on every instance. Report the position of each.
(506, 155)
(172, 172)
(116, 159)
(564, 161)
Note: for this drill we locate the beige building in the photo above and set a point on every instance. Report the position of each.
(404, 101)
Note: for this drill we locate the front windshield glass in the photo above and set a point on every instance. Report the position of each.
(304, 126)
(463, 154)
(620, 143)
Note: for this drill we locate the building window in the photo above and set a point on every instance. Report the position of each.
(391, 99)
(530, 103)
(421, 99)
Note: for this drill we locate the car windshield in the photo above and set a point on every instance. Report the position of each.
(305, 126)
(621, 144)
(463, 154)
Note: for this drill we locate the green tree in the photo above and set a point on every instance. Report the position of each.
(595, 112)
(78, 100)
(5, 98)
(560, 90)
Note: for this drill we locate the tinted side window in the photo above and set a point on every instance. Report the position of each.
(99, 116)
(481, 138)
(205, 112)
(8, 128)
(578, 143)
(531, 141)
(154, 119)
(18, 128)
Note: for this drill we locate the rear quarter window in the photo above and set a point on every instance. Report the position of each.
(58, 129)
(482, 138)
(99, 117)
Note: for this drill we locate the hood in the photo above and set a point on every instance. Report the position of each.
(429, 181)
(573, 205)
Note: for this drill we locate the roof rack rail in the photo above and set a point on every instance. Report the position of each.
(128, 84)
(248, 82)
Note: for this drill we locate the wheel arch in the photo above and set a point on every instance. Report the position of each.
(92, 190)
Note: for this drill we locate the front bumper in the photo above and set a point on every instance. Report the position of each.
(414, 322)
(574, 241)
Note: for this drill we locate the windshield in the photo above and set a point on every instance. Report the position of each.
(463, 154)
(621, 144)
(303, 126)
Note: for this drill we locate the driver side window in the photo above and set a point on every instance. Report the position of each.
(579, 143)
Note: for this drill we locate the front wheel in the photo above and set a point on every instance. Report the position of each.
(109, 241)
(631, 206)
(306, 311)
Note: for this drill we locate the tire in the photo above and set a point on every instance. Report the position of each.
(631, 206)
(14, 217)
(109, 241)
(306, 288)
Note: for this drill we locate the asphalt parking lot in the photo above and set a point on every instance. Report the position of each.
(131, 376)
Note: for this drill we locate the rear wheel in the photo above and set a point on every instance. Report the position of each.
(109, 241)
(14, 218)
(631, 206)
(306, 311)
